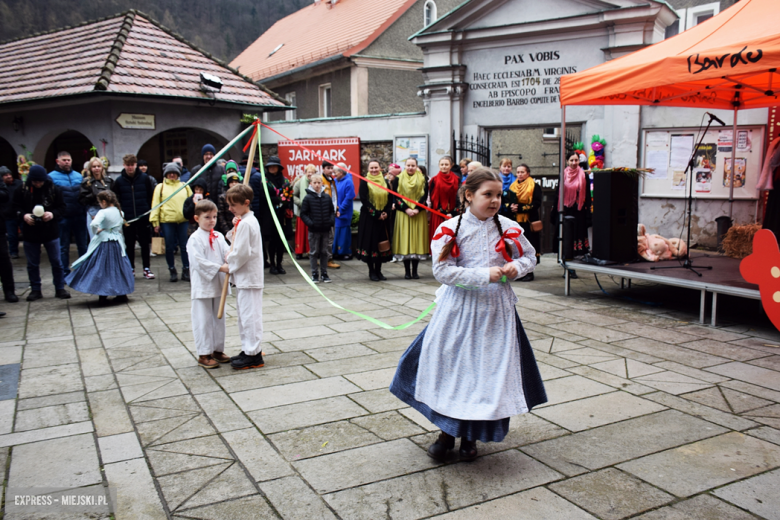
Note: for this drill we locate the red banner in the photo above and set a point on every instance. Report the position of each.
(294, 158)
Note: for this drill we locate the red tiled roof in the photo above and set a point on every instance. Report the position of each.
(316, 32)
(125, 54)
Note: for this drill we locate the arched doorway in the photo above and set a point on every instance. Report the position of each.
(7, 156)
(72, 142)
(186, 142)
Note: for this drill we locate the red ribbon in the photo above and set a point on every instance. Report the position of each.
(510, 234)
(212, 237)
(251, 138)
(445, 231)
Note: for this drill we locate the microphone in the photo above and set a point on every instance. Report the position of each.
(713, 117)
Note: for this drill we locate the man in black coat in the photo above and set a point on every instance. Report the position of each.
(212, 176)
(6, 267)
(134, 191)
(42, 229)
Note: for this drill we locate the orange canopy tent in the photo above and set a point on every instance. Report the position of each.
(728, 62)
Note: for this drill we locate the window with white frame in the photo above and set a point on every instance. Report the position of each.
(291, 114)
(325, 100)
(429, 13)
(692, 16)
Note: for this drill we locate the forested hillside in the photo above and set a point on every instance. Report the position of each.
(222, 27)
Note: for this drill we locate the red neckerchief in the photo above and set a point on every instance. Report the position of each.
(212, 237)
(510, 234)
(445, 231)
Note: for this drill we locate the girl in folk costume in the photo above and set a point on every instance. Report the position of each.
(472, 368)
(299, 193)
(522, 201)
(342, 240)
(576, 202)
(410, 237)
(104, 269)
(374, 229)
(444, 193)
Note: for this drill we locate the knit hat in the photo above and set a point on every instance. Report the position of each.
(171, 167)
(141, 162)
(274, 161)
(232, 175)
(231, 165)
(208, 148)
(4, 170)
(37, 173)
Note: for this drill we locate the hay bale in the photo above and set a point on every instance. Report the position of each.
(738, 241)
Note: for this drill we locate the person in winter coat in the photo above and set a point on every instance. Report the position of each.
(280, 192)
(299, 193)
(318, 214)
(198, 187)
(134, 191)
(41, 205)
(169, 218)
(6, 267)
(97, 180)
(212, 176)
(342, 237)
(225, 217)
(72, 221)
(185, 173)
(11, 184)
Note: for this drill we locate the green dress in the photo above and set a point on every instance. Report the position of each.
(410, 235)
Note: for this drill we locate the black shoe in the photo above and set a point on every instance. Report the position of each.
(247, 361)
(280, 270)
(372, 276)
(102, 301)
(121, 299)
(325, 278)
(174, 274)
(527, 278)
(298, 256)
(273, 270)
(62, 294)
(185, 274)
(347, 258)
(11, 297)
(34, 295)
(415, 263)
(438, 450)
(240, 355)
(2, 314)
(407, 276)
(315, 278)
(573, 274)
(15, 257)
(468, 450)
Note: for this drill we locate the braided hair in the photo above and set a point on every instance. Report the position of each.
(472, 184)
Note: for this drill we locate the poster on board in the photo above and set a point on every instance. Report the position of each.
(740, 165)
(703, 180)
(405, 146)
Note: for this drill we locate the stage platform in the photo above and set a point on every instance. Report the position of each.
(723, 278)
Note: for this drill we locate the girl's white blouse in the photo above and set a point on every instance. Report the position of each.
(469, 366)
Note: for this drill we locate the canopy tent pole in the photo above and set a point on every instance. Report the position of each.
(560, 185)
(733, 157)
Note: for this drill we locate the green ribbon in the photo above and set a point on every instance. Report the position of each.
(306, 276)
(203, 169)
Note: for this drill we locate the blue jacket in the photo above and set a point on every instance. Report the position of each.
(134, 193)
(70, 185)
(346, 194)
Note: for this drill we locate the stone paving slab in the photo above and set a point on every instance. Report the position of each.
(635, 392)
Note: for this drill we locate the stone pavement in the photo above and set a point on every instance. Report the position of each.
(650, 416)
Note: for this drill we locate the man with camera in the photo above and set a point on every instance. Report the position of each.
(40, 206)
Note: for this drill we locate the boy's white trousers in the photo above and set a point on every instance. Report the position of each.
(209, 332)
(250, 319)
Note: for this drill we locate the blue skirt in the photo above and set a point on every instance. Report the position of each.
(405, 382)
(342, 241)
(105, 273)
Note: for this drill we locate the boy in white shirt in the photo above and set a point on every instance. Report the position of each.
(207, 249)
(245, 262)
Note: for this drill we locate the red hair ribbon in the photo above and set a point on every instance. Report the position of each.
(212, 237)
(445, 231)
(510, 234)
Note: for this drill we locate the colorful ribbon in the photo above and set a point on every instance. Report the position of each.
(510, 234)
(445, 231)
(249, 143)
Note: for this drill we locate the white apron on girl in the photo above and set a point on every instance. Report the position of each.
(469, 366)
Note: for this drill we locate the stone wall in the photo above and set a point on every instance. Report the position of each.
(379, 150)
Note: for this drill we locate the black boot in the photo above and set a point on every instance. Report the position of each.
(378, 270)
(11, 297)
(407, 265)
(371, 272)
(185, 274)
(438, 450)
(174, 274)
(279, 269)
(468, 450)
(415, 263)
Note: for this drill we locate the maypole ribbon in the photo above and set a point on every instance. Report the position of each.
(355, 175)
(306, 276)
(203, 169)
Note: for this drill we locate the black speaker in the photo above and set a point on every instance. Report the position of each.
(615, 216)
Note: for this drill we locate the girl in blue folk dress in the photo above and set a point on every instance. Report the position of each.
(472, 368)
(104, 269)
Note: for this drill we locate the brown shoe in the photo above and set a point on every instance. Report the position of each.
(333, 265)
(207, 362)
(220, 357)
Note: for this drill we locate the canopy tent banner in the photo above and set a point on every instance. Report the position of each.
(730, 61)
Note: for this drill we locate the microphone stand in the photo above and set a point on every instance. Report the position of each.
(688, 263)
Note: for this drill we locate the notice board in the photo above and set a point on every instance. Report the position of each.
(668, 152)
(406, 146)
